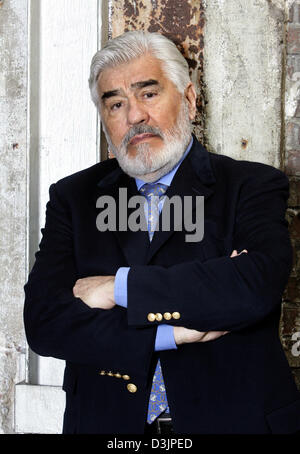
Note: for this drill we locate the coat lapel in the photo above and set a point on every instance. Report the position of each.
(134, 245)
(193, 178)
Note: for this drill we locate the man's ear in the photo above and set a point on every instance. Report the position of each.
(191, 96)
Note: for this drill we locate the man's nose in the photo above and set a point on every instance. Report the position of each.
(136, 113)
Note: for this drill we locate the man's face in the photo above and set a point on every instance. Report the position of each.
(140, 108)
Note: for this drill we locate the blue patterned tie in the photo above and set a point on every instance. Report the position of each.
(158, 399)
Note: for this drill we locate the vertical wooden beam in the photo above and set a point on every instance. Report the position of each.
(180, 20)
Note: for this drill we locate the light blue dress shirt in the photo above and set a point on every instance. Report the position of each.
(165, 333)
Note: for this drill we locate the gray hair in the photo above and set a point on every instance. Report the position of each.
(135, 44)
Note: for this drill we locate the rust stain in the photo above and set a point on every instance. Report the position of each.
(244, 143)
(15, 146)
(1, 2)
(182, 21)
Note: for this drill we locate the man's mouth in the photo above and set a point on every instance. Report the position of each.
(140, 137)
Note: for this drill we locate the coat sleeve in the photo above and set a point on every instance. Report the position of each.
(225, 293)
(58, 324)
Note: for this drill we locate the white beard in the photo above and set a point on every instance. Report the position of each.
(147, 165)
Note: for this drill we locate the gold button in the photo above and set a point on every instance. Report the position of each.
(158, 316)
(110, 374)
(131, 388)
(118, 375)
(176, 315)
(102, 372)
(167, 316)
(151, 317)
(126, 377)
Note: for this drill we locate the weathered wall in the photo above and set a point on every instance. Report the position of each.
(13, 187)
(239, 87)
(243, 72)
(291, 92)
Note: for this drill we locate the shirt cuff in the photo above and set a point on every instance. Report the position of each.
(165, 338)
(120, 291)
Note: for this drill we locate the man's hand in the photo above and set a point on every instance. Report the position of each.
(235, 253)
(186, 336)
(96, 291)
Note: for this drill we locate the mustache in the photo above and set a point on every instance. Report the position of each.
(141, 129)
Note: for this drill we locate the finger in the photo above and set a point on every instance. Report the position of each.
(201, 335)
(211, 335)
(76, 290)
(208, 336)
(235, 253)
(193, 335)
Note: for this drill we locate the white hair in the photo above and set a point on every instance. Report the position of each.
(135, 44)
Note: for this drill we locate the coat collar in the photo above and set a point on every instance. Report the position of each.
(194, 177)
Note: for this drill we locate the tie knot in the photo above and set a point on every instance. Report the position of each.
(153, 189)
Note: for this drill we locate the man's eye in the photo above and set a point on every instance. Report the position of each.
(149, 94)
(116, 106)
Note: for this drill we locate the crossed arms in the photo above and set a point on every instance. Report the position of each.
(98, 292)
(68, 318)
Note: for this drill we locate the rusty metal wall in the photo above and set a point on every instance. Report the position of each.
(180, 20)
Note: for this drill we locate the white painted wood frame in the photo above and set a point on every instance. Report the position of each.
(63, 137)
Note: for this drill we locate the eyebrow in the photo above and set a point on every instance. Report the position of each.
(144, 83)
(140, 84)
(109, 94)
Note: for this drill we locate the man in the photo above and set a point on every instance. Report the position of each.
(162, 334)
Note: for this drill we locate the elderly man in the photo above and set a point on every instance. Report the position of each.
(161, 334)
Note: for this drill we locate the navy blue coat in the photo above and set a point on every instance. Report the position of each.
(238, 383)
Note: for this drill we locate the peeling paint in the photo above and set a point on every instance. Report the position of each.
(277, 9)
(292, 94)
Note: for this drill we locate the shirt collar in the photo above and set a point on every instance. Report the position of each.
(167, 179)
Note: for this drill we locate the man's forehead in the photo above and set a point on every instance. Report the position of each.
(132, 75)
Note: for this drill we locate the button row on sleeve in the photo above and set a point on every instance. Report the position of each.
(167, 316)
